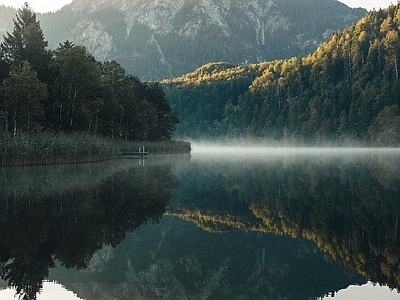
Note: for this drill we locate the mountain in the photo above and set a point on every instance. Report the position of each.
(156, 39)
(6, 16)
(345, 92)
(195, 264)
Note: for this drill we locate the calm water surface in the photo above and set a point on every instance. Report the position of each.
(239, 223)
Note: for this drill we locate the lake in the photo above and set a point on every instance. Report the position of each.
(226, 223)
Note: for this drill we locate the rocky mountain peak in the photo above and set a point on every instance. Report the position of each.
(155, 39)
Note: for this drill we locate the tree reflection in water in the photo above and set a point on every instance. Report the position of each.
(347, 202)
(346, 206)
(66, 213)
(254, 216)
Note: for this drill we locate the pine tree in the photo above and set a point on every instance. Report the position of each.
(26, 43)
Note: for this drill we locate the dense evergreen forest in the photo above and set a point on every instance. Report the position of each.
(347, 91)
(68, 90)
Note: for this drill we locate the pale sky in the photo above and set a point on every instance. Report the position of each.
(41, 6)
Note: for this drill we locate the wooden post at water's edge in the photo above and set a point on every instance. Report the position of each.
(141, 153)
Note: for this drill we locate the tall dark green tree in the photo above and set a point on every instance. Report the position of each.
(23, 95)
(119, 94)
(27, 43)
(166, 117)
(77, 93)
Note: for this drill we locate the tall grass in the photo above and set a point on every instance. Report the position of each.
(47, 148)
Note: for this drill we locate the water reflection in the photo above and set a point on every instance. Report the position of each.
(251, 225)
(347, 203)
(67, 213)
(177, 260)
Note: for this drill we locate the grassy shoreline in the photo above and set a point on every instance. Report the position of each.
(47, 148)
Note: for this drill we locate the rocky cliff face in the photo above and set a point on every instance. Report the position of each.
(155, 39)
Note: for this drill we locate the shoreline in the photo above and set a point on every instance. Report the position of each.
(53, 149)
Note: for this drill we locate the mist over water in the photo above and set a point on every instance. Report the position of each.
(227, 151)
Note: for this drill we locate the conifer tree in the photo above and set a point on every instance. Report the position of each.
(26, 43)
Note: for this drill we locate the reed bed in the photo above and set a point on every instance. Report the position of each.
(47, 148)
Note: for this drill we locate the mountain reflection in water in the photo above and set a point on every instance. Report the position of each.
(260, 224)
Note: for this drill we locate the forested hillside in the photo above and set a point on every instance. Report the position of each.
(347, 91)
(68, 90)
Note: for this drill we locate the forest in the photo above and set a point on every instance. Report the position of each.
(68, 91)
(345, 93)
